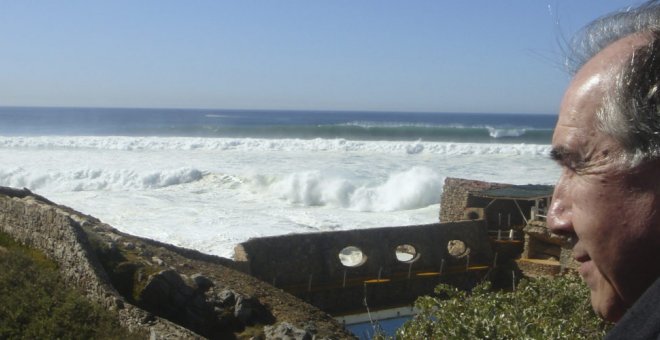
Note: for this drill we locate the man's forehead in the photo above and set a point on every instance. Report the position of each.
(583, 99)
(612, 57)
(588, 90)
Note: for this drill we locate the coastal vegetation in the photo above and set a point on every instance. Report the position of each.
(538, 308)
(35, 303)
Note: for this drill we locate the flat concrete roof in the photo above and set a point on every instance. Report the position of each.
(520, 192)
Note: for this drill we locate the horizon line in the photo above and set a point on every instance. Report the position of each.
(266, 110)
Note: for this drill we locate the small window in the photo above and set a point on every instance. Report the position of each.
(457, 249)
(352, 257)
(406, 253)
(473, 215)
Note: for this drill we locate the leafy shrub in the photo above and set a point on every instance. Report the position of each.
(544, 308)
(36, 304)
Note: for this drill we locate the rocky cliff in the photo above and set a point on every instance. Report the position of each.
(167, 291)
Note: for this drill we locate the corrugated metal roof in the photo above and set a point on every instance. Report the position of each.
(527, 192)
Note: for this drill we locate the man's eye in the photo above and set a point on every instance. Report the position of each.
(577, 166)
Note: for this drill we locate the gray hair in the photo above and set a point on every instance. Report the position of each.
(631, 111)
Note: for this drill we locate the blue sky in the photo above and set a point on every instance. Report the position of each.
(435, 55)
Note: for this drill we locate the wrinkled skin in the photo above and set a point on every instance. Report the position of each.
(609, 210)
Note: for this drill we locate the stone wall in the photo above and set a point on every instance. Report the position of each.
(72, 240)
(455, 196)
(34, 222)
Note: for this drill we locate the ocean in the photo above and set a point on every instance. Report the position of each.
(209, 179)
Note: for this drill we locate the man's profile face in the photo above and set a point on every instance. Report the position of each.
(608, 209)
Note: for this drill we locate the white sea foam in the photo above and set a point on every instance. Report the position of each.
(212, 193)
(314, 188)
(505, 132)
(254, 144)
(414, 188)
(417, 147)
(96, 179)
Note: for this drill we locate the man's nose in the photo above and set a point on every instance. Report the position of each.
(559, 219)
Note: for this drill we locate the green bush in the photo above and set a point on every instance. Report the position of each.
(544, 308)
(36, 304)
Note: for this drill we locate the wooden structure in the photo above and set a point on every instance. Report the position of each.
(509, 209)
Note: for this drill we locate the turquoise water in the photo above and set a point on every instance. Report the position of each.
(366, 330)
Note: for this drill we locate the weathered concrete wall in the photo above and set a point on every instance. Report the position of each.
(455, 196)
(308, 265)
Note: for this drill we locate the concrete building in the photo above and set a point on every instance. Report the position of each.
(482, 225)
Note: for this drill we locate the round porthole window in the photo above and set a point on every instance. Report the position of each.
(473, 215)
(457, 249)
(352, 256)
(406, 253)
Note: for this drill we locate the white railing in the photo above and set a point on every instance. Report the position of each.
(538, 213)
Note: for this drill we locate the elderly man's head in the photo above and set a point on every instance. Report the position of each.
(607, 141)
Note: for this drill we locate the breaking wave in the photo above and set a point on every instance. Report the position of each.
(255, 144)
(417, 187)
(505, 132)
(97, 179)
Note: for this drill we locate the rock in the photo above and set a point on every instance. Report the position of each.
(167, 294)
(286, 331)
(199, 303)
(311, 328)
(166, 290)
(119, 303)
(129, 245)
(226, 298)
(202, 282)
(186, 265)
(156, 289)
(148, 318)
(114, 237)
(541, 232)
(157, 261)
(248, 310)
(177, 282)
(111, 246)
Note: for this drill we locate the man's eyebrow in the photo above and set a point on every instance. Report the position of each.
(566, 157)
(559, 154)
